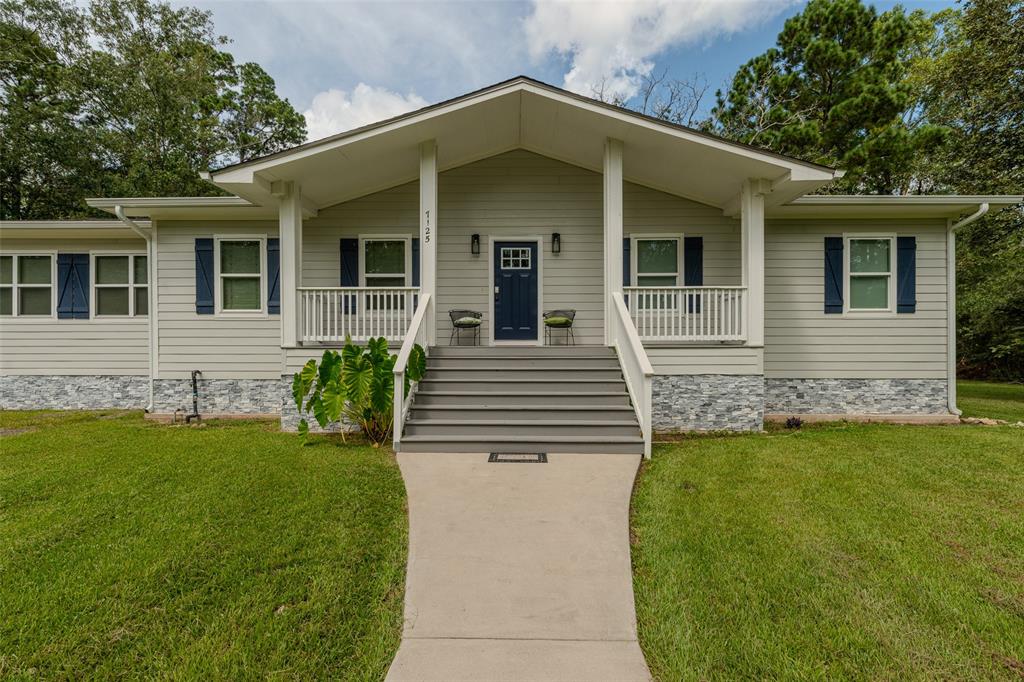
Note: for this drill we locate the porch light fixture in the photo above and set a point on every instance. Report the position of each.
(474, 245)
(556, 243)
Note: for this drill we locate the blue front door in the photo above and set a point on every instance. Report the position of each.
(515, 291)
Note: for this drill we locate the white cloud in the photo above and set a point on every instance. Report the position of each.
(335, 111)
(613, 43)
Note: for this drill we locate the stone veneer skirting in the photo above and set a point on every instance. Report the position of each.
(72, 392)
(221, 396)
(856, 396)
(708, 402)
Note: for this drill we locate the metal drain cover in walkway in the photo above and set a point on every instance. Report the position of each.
(528, 457)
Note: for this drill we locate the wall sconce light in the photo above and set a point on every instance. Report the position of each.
(556, 243)
(474, 245)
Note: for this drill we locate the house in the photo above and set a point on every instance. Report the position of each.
(710, 286)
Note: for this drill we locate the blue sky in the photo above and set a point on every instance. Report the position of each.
(345, 64)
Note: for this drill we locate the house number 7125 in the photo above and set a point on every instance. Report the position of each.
(426, 227)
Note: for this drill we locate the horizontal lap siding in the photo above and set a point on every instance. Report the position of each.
(41, 346)
(521, 194)
(801, 341)
(222, 347)
(393, 212)
(705, 360)
(648, 211)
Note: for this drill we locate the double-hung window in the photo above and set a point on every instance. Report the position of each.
(386, 262)
(657, 262)
(869, 268)
(26, 285)
(240, 272)
(120, 286)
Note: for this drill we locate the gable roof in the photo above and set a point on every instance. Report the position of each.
(522, 113)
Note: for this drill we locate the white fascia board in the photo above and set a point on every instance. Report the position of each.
(244, 174)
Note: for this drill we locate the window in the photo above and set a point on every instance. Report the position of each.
(240, 275)
(516, 258)
(26, 285)
(869, 271)
(120, 286)
(657, 262)
(385, 262)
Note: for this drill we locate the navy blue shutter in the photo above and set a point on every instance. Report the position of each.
(274, 276)
(415, 261)
(626, 262)
(73, 286)
(833, 275)
(693, 268)
(204, 276)
(350, 270)
(906, 274)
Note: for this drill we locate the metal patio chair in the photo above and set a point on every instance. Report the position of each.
(559, 319)
(465, 319)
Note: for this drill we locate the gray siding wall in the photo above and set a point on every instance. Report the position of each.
(41, 346)
(801, 341)
(723, 360)
(221, 346)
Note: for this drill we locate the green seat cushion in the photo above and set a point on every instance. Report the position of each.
(468, 321)
(558, 321)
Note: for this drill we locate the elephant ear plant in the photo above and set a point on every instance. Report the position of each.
(357, 385)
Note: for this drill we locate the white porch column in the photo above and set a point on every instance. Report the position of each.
(612, 228)
(290, 234)
(752, 229)
(428, 231)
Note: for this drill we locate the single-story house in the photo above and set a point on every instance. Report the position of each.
(699, 283)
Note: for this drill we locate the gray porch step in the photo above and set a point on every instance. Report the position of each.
(496, 385)
(574, 428)
(511, 362)
(552, 444)
(522, 399)
(520, 351)
(553, 375)
(521, 413)
(505, 399)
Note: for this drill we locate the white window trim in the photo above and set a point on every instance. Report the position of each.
(529, 257)
(217, 297)
(14, 285)
(94, 309)
(363, 239)
(890, 310)
(634, 253)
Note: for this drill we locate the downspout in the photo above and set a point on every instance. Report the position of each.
(151, 291)
(951, 303)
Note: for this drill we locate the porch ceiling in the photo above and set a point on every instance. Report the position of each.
(522, 113)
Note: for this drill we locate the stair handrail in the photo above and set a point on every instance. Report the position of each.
(417, 333)
(636, 366)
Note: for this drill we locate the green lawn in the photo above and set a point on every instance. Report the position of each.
(986, 399)
(841, 551)
(224, 551)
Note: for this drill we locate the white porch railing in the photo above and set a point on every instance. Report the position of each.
(636, 367)
(688, 313)
(417, 334)
(329, 314)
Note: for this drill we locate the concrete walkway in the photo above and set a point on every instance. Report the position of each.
(519, 571)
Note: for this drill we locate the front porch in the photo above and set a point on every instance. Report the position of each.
(689, 315)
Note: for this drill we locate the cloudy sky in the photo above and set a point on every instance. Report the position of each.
(345, 64)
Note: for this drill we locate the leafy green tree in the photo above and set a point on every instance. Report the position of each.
(974, 86)
(834, 90)
(124, 98)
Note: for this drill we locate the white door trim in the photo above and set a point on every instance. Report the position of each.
(491, 240)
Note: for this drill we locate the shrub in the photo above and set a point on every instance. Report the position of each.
(356, 385)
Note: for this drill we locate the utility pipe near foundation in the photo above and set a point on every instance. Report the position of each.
(150, 291)
(951, 303)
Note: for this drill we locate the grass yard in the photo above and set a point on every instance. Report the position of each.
(840, 551)
(987, 399)
(224, 551)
